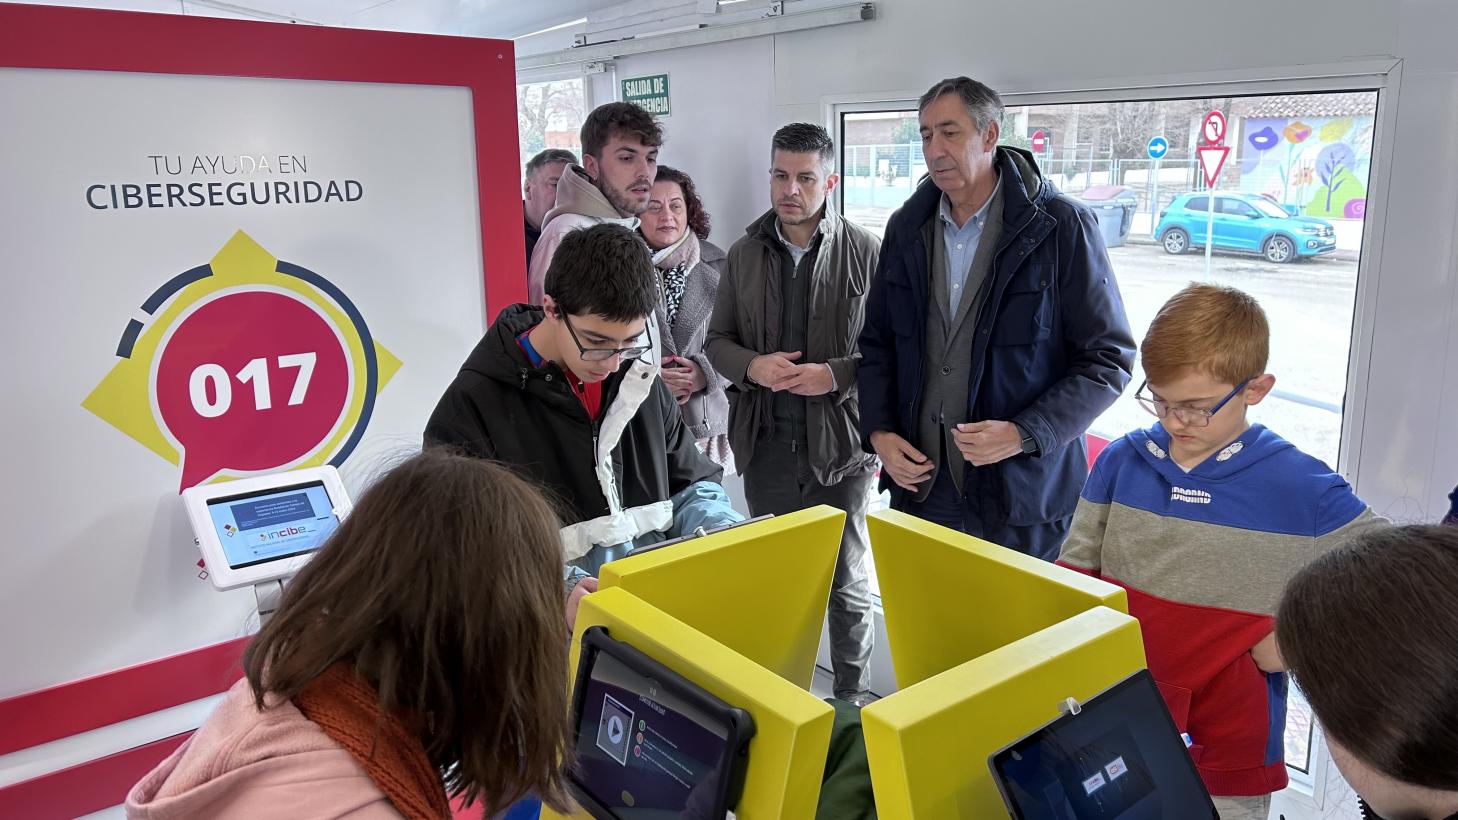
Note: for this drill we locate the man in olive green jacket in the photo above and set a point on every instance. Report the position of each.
(790, 305)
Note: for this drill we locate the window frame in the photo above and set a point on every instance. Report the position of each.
(568, 71)
(1309, 789)
(1381, 76)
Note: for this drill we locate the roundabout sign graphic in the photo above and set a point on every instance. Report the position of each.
(247, 364)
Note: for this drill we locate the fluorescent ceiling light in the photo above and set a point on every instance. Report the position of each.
(836, 15)
(558, 27)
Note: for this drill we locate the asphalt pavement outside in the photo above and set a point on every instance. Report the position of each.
(1309, 305)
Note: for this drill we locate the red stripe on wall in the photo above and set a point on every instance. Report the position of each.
(1096, 445)
(85, 788)
(91, 703)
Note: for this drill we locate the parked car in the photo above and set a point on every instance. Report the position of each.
(1248, 223)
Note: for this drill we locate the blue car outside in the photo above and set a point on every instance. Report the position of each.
(1248, 223)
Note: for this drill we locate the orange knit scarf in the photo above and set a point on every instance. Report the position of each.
(347, 709)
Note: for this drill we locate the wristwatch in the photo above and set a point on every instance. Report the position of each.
(1030, 444)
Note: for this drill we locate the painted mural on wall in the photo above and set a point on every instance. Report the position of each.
(1319, 164)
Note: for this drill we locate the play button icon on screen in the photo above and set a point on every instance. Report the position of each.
(612, 729)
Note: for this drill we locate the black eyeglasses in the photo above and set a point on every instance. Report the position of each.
(602, 354)
(1189, 416)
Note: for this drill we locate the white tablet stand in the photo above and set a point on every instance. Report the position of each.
(269, 575)
(268, 595)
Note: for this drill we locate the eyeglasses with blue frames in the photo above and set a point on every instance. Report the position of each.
(1189, 416)
(602, 354)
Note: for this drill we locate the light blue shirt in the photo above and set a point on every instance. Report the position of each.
(961, 246)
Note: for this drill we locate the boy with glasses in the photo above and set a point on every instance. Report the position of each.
(1203, 518)
(566, 394)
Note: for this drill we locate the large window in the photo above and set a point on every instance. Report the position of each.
(1289, 209)
(1288, 227)
(550, 115)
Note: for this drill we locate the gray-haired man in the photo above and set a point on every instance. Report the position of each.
(539, 190)
(994, 335)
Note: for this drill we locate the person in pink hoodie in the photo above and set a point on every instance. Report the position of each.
(417, 658)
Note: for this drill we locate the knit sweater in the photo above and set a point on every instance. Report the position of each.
(246, 763)
(1204, 556)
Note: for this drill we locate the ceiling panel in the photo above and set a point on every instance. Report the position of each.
(476, 18)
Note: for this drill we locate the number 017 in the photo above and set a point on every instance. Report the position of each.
(254, 373)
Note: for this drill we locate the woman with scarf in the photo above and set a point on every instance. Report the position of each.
(415, 659)
(676, 227)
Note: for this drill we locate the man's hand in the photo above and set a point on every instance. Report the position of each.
(812, 379)
(1267, 655)
(904, 463)
(770, 368)
(683, 377)
(988, 442)
(574, 598)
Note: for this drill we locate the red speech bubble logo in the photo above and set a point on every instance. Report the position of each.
(252, 380)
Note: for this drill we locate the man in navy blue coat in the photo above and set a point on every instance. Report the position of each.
(994, 335)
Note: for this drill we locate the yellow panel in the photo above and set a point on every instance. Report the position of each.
(950, 597)
(929, 744)
(759, 589)
(792, 727)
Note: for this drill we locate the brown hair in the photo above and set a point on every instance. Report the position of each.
(603, 270)
(1212, 329)
(805, 138)
(443, 588)
(1370, 633)
(622, 118)
(698, 217)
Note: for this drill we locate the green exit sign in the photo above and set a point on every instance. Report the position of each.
(649, 93)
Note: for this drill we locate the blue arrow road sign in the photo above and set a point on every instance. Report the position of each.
(1158, 147)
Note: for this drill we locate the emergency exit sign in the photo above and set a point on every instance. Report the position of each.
(649, 93)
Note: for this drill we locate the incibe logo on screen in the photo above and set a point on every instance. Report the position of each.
(283, 533)
(244, 364)
(193, 182)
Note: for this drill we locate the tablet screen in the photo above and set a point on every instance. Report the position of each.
(1120, 758)
(271, 524)
(644, 753)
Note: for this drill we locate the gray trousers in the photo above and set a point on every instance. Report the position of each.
(779, 481)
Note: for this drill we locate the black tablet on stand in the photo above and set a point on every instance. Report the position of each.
(1117, 756)
(648, 743)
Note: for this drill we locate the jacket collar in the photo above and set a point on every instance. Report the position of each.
(500, 357)
(1024, 193)
(578, 194)
(944, 208)
(766, 227)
